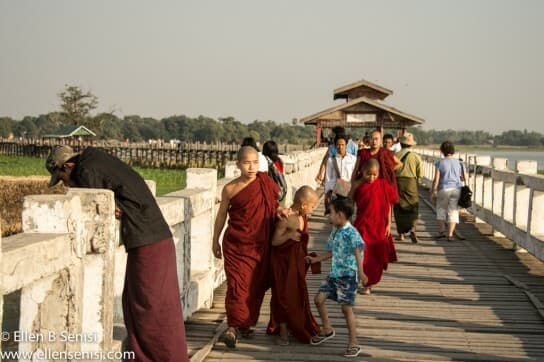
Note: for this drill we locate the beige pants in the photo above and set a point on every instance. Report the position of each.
(446, 205)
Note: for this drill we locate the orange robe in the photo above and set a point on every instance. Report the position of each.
(290, 301)
(246, 250)
(374, 202)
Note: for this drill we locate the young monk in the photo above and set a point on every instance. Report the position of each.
(373, 221)
(251, 202)
(290, 304)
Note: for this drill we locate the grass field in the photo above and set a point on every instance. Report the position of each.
(167, 180)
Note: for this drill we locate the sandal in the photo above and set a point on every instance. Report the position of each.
(413, 237)
(451, 238)
(440, 235)
(353, 351)
(229, 338)
(319, 338)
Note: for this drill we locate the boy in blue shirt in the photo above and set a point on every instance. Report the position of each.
(345, 247)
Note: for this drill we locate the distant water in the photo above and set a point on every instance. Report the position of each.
(514, 156)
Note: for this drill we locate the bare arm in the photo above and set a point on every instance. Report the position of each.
(355, 182)
(388, 227)
(220, 220)
(362, 277)
(283, 233)
(316, 259)
(355, 169)
(398, 164)
(434, 187)
(321, 173)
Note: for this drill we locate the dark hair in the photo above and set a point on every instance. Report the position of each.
(343, 205)
(270, 149)
(388, 136)
(339, 130)
(340, 137)
(447, 148)
(250, 141)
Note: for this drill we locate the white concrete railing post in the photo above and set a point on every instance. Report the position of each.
(100, 238)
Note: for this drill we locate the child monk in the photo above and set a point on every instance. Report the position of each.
(290, 306)
(374, 198)
(251, 202)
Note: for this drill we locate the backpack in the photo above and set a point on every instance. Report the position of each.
(278, 178)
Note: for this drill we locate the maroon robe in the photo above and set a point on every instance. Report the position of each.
(246, 250)
(290, 301)
(374, 202)
(152, 305)
(387, 164)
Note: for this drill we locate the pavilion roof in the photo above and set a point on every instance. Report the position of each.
(362, 112)
(362, 88)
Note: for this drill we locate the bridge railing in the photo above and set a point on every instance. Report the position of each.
(64, 274)
(511, 201)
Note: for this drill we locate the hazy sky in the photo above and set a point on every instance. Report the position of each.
(457, 64)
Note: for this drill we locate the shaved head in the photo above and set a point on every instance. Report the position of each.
(370, 163)
(244, 151)
(305, 194)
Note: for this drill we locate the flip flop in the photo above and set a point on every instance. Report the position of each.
(229, 338)
(318, 339)
(353, 351)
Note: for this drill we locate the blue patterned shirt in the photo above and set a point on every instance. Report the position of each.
(342, 243)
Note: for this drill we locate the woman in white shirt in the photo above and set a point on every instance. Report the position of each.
(339, 166)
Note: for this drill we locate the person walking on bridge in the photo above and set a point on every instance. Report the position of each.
(151, 298)
(407, 209)
(446, 190)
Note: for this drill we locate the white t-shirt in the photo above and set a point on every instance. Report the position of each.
(263, 163)
(396, 147)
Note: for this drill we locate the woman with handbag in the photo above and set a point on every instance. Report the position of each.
(338, 172)
(446, 190)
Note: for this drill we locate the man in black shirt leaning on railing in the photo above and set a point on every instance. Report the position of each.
(151, 298)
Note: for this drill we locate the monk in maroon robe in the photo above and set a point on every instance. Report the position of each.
(386, 158)
(373, 221)
(290, 306)
(251, 202)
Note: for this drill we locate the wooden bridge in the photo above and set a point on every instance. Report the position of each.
(476, 299)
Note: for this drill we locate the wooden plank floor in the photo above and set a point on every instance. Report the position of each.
(462, 300)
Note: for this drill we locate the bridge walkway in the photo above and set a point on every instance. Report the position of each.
(476, 299)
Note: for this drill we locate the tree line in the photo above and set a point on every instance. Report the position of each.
(76, 106)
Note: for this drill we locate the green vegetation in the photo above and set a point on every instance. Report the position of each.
(167, 180)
